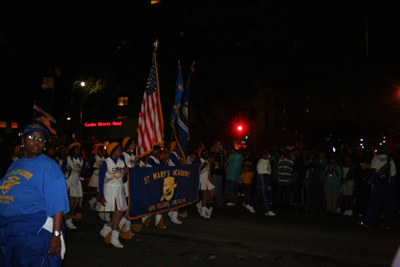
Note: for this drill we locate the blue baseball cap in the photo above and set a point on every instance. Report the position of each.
(36, 126)
(264, 151)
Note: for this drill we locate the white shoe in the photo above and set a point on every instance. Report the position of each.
(338, 210)
(157, 220)
(174, 217)
(198, 205)
(350, 213)
(250, 208)
(115, 239)
(209, 211)
(270, 213)
(92, 202)
(69, 224)
(127, 227)
(122, 224)
(99, 207)
(204, 213)
(107, 216)
(105, 231)
(346, 213)
(230, 204)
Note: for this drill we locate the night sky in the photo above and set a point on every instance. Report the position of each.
(315, 47)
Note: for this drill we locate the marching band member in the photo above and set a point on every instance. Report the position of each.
(206, 187)
(18, 152)
(173, 161)
(112, 173)
(153, 161)
(94, 181)
(128, 156)
(61, 154)
(72, 166)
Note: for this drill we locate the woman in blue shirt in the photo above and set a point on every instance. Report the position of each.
(33, 200)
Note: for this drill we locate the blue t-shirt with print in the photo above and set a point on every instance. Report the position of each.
(33, 185)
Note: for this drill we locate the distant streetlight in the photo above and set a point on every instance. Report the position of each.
(82, 84)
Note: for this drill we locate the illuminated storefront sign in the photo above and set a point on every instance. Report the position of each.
(103, 124)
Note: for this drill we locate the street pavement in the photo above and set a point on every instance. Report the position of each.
(235, 237)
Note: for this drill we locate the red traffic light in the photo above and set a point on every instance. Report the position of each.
(240, 128)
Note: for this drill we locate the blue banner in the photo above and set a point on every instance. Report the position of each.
(182, 127)
(178, 95)
(159, 189)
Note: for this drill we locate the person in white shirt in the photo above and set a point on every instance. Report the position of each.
(264, 174)
(383, 191)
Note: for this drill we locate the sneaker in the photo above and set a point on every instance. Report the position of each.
(363, 224)
(346, 213)
(199, 205)
(230, 204)
(69, 224)
(338, 210)
(250, 208)
(270, 213)
(350, 213)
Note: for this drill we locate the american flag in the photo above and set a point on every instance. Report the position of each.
(150, 126)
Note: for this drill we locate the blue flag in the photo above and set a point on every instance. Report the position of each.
(159, 189)
(182, 125)
(178, 96)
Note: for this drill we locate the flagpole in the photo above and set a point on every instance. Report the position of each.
(155, 45)
(173, 130)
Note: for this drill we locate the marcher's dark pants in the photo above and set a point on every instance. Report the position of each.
(362, 192)
(283, 195)
(262, 194)
(385, 196)
(232, 188)
(216, 180)
(317, 194)
(296, 190)
(247, 193)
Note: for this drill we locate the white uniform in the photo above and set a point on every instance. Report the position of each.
(130, 163)
(113, 186)
(205, 183)
(94, 180)
(72, 176)
(174, 155)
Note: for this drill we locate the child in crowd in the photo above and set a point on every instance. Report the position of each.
(247, 177)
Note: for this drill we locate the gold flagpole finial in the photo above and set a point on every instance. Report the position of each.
(179, 62)
(194, 61)
(155, 45)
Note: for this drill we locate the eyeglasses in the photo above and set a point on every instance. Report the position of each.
(35, 138)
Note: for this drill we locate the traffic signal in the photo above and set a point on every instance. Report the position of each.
(240, 128)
